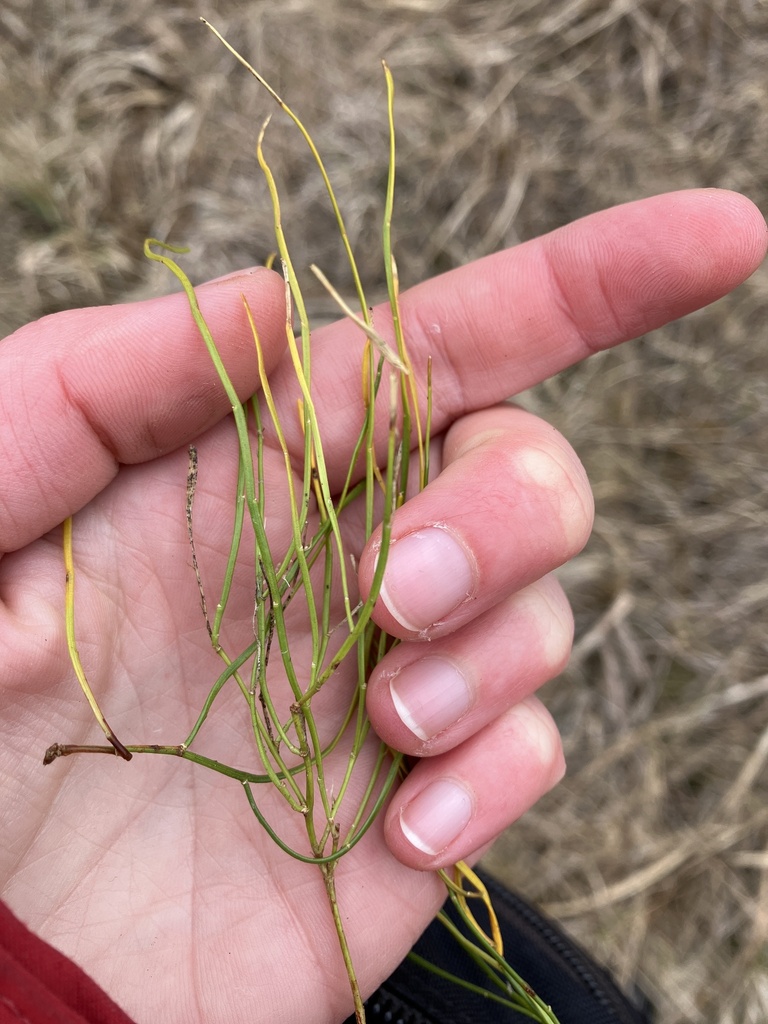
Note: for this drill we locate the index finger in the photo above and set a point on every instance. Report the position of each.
(512, 319)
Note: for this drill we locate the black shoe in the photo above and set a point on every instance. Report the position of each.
(562, 974)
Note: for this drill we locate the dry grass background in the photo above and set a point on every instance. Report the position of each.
(122, 120)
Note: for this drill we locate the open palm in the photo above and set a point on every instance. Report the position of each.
(154, 875)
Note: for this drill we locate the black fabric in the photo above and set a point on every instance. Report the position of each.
(563, 975)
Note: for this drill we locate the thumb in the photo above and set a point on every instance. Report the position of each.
(88, 389)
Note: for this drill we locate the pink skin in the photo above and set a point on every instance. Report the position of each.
(153, 875)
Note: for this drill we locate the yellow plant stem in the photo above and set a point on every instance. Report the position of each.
(463, 871)
(74, 655)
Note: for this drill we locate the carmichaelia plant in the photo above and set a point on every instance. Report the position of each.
(308, 621)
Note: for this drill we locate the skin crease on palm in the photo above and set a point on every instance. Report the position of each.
(153, 875)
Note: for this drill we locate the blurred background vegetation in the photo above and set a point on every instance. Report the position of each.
(119, 121)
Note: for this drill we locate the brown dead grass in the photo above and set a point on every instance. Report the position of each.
(118, 121)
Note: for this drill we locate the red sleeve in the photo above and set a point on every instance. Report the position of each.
(38, 985)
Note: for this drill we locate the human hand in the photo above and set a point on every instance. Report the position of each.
(153, 875)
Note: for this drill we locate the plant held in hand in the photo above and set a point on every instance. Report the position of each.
(299, 678)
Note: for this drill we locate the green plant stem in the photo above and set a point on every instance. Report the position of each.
(468, 985)
(328, 872)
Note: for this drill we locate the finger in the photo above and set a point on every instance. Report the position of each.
(85, 390)
(450, 806)
(512, 319)
(511, 504)
(427, 699)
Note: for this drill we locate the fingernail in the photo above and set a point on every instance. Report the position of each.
(428, 574)
(430, 695)
(434, 818)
